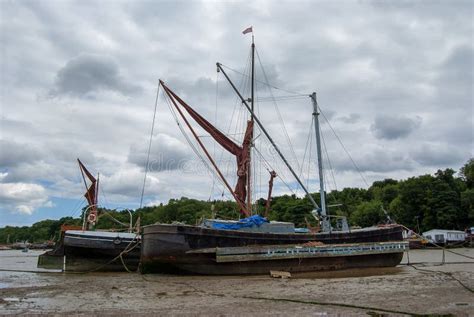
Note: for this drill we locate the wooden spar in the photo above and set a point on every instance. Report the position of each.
(249, 166)
(97, 190)
(273, 174)
(219, 66)
(241, 205)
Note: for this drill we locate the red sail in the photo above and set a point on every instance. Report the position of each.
(243, 163)
(241, 152)
(220, 137)
(85, 171)
(91, 194)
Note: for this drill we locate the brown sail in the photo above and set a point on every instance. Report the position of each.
(91, 193)
(241, 152)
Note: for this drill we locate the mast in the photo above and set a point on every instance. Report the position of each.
(310, 198)
(249, 169)
(326, 226)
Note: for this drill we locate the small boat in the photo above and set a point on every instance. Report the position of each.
(83, 249)
(235, 247)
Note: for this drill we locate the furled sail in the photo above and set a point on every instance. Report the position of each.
(241, 152)
(91, 193)
(91, 190)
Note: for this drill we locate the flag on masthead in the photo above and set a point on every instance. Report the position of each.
(247, 30)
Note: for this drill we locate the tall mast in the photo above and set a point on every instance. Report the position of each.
(260, 125)
(249, 169)
(326, 226)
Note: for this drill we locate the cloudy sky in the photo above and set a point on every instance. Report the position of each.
(79, 79)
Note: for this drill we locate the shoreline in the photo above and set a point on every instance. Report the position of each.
(428, 288)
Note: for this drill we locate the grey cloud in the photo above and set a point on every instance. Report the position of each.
(440, 155)
(394, 127)
(13, 154)
(377, 160)
(352, 118)
(455, 79)
(127, 183)
(90, 73)
(360, 58)
(167, 154)
(33, 162)
(458, 66)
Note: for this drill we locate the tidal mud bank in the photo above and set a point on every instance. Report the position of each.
(426, 288)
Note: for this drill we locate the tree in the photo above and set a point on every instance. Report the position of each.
(412, 204)
(384, 191)
(368, 214)
(467, 173)
(444, 207)
(467, 205)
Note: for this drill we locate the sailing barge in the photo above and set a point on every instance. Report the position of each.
(214, 248)
(81, 249)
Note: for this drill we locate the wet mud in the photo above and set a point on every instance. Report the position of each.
(425, 288)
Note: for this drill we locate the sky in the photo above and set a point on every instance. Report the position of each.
(79, 79)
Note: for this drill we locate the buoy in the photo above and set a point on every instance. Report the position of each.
(92, 217)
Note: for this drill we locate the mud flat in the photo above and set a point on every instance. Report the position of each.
(425, 288)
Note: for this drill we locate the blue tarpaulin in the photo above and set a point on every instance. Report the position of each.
(248, 222)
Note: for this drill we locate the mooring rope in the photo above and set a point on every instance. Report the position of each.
(437, 245)
(132, 245)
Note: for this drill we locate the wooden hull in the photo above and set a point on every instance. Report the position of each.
(92, 251)
(166, 248)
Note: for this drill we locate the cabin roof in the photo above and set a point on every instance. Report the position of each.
(443, 231)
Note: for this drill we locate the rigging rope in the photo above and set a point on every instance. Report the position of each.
(266, 84)
(344, 148)
(307, 145)
(270, 168)
(149, 145)
(310, 153)
(114, 219)
(214, 144)
(280, 118)
(281, 98)
(331, 170)
(193, 147)
(77, 207)
(103, 194)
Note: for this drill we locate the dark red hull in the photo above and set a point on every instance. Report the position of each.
(165, 248)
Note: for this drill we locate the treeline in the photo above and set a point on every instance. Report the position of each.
(443, 200)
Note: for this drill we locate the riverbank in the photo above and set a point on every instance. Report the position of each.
(425, 288)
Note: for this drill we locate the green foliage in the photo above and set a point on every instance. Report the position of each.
(368, 213)
(413, 205)
(290, 208)
(39, 232)
(348, 199)
(467, 173)
(421, 203)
